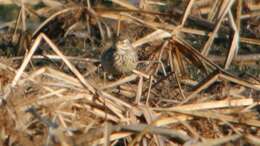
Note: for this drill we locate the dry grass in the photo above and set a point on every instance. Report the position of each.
(185, 91)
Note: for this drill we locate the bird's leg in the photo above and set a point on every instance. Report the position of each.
(105, 77)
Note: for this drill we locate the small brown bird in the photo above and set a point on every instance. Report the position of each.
(119, 59)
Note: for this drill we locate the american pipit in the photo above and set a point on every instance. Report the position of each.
(120, 59)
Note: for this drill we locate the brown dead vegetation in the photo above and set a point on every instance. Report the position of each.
(197, 82)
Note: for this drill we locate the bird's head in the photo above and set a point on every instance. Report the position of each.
(124, 45)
